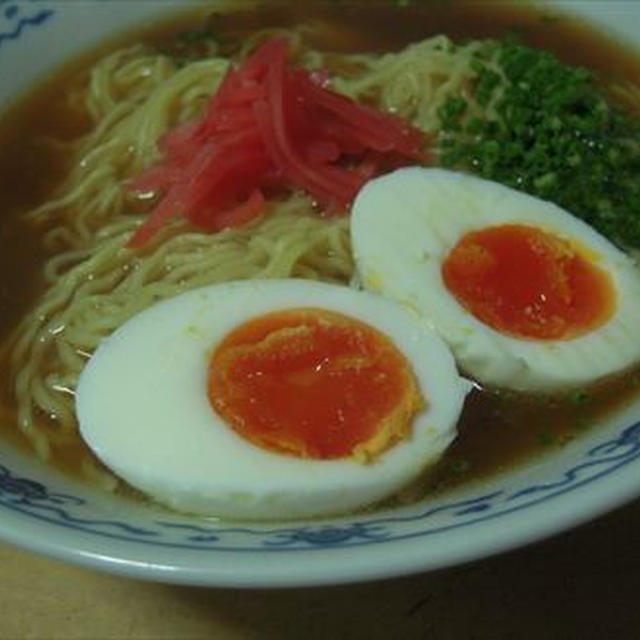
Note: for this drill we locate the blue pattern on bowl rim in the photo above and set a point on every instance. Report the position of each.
(17, 17)
(33, 498)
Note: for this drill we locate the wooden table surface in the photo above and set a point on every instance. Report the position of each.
(583, 584)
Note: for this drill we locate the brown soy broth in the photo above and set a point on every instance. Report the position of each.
(497, 430)
(27, 170)
(383, 25)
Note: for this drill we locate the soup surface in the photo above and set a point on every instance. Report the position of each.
(498, 429)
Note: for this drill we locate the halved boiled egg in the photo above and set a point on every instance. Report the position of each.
(270, 399)
(528, 296)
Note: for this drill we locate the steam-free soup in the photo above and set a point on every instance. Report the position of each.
(70, 148)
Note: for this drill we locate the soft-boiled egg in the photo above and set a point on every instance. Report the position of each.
(268, 399)
(528, 296)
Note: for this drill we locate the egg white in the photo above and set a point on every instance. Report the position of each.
(143, 409)
(403, 226)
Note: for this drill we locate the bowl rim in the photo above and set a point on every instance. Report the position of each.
(328, 551)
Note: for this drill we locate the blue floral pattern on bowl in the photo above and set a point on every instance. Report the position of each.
(31, 497)
(17, 17)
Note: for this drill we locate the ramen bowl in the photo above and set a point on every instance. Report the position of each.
(46, 511)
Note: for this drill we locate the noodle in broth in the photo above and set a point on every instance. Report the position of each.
(94, 282)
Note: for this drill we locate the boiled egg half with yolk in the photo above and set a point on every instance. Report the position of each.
(265, 399)
(528, 296)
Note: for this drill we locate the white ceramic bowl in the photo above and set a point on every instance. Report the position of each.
(46, 512)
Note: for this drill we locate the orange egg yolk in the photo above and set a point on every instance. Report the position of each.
(315, 384)
(528, 283)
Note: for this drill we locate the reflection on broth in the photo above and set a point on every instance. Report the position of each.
(69, 279)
